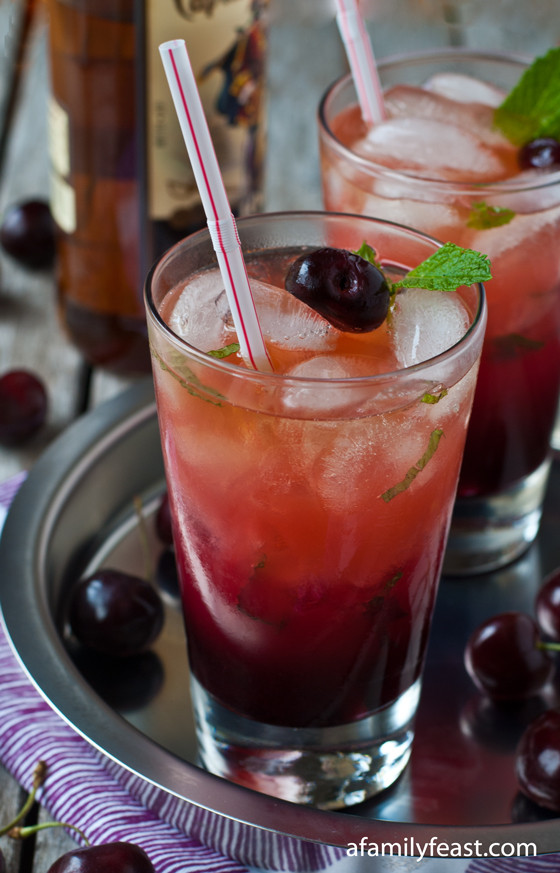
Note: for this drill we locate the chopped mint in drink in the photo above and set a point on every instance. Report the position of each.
(483, 216)
(224, 352)
(411, 475)
(447, 269)
(434, 398)
(532, 108)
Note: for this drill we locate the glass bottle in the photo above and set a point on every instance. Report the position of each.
(122, 186)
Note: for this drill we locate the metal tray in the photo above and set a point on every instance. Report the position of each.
(75, 511)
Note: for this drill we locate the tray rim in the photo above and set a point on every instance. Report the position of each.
(23, 546)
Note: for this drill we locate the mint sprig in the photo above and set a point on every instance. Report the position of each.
(532, 108)
(448, 268)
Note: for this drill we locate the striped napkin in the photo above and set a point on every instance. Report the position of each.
(83, 788)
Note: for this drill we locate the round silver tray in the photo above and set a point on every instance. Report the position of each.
(76, 511)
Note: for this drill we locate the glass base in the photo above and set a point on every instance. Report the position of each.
(330, 768)
(489, 532)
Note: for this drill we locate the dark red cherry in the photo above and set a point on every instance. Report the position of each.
(115, 613)
(540, 154)
(350, 292)
(503, 660)
(105, 858)
(2, 863)
(537, 761)
(547, 605)
(163, 521)
(27, 234)
(23, 406)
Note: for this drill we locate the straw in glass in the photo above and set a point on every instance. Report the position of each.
(362, 61)
(221, 222)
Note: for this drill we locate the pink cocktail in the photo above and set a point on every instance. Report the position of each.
(311, 505)
(440, 164)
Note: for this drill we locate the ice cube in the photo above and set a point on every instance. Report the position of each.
(465, 89)
(426, 323)
(288, 322)
(431, 149)
(200, 312)
(330, 397)
(406, 101)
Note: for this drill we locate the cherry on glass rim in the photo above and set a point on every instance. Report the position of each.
(346, 289)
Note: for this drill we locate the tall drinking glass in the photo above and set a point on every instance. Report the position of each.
(310, 505)
(456, 178)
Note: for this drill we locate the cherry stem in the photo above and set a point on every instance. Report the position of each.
(39, 776)
(144, 539)
(548, 646)
(20, 833)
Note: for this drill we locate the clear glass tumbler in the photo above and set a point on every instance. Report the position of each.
(507, 455)
(310, 515)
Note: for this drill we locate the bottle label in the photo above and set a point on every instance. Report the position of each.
(63, 196)
(226, 41)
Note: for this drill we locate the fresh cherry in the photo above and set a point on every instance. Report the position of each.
(115, 613)
(27, 234)
(23, 406)
(537, 761)
(504, 660)
(104, 858)
(547, 605)
(163, 521)
(540, 154)
(350, 292)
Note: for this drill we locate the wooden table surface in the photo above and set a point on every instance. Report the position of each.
(305, 55)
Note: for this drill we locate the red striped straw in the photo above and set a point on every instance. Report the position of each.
(362, 61)
(221, 222)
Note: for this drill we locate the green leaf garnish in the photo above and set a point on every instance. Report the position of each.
(224, 352)
(434, 398)
(532, 108)
(447, 269)
(483, 216)
(187, 380)
(433, 443)
(368, 254)
(511, 345)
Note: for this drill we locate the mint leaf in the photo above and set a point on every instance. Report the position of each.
(447, 269)
(225, 351)
(532, 108)
(483, 216)
(434, 398)
(411, 475)
(368, 254)
(512, 345)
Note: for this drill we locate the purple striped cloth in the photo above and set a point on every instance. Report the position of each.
(79, 787)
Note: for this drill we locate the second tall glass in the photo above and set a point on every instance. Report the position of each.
(516, 221)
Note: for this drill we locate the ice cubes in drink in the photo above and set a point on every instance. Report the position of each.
(200, 311)
(425, 324)
(432, 149)
(465, 89)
